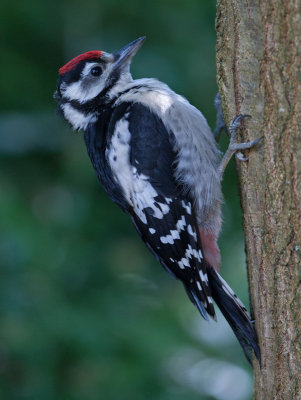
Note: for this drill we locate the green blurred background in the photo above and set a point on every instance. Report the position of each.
(85, 310)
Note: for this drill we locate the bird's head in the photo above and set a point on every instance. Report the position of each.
(89, 79)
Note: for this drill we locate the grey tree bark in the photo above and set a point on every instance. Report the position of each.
(259, 73)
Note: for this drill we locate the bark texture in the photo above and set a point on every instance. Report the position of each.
(258, 68)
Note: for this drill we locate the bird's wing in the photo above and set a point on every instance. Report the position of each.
(142, 159)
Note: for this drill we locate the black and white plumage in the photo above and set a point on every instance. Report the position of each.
(156, 157)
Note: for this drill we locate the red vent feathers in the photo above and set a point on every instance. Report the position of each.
(89, 55)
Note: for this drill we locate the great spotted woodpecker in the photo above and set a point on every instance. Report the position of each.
(155, 156)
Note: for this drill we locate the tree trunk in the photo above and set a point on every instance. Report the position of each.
(258, 68)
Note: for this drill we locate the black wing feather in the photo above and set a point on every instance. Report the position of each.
(152, 150)
(153, 155)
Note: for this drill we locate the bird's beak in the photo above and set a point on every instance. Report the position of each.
(124, 56)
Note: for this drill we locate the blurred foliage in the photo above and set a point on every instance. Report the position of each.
(85, 311)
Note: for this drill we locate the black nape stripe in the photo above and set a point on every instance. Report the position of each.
(100, 101)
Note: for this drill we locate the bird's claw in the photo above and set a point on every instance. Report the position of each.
(241, 157)
(235, 147)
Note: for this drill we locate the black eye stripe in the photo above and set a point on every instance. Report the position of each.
(96, 71)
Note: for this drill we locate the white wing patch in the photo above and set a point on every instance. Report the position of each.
(184, 262)
(167, 239)
(204, 277)
(181, 223)
(187, 207)
(170, 238)
(136, 187)
(191, 231)
(174, 233)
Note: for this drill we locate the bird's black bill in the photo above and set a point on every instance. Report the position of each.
(124, 55)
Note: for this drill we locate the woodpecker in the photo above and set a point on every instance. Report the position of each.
(156, 157)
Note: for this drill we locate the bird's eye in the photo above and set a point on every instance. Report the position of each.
(95, 71)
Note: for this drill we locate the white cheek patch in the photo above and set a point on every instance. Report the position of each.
(77, 91)
(87, 88)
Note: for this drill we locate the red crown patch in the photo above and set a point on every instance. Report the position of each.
(89, 55)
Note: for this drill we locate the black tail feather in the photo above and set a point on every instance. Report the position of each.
(235, 313)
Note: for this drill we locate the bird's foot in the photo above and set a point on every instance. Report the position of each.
(234, 147)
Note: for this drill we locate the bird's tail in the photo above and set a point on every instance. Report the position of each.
(235, 313)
